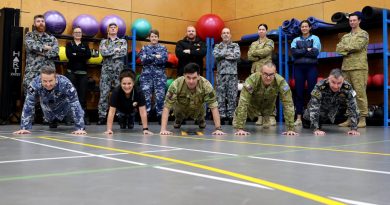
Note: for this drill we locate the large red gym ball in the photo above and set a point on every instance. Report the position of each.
(378, 80)
(172, 59)
(210, 25)
(292, 83)
(369, 81)
(319, 79)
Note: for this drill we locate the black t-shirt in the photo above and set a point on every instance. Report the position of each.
(124, 104)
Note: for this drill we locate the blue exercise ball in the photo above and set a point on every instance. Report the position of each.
(55, 22)
(88, 24)
(142, 27)
(113, 19)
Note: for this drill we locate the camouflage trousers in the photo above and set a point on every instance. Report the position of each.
(358, 80)
(28, 77)
(227, 86)
(154, 83)
(256, 111)
(108, 79)
(182, 112)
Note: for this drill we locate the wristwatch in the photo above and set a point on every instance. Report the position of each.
(218, 128)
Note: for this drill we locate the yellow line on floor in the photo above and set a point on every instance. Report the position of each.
(280, 187)
(289, 146)
(199, 133)
(183, 133)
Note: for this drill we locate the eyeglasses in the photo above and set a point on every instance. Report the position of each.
(268, 75)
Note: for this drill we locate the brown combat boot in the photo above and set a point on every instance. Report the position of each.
(362, 122)
(347, 123)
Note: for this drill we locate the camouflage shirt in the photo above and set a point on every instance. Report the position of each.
(55, 103)
(353, 46)
(326, 102)
(257, 95)
(110, 55)
(148, 57)
(260, 53)
(36, 56)
(227, 55)
(179, 95)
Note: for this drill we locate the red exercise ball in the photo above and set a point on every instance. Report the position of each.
(319, 79)
(378, 80)
(210, 25)
(172, 59)
(292, 83)
(369, 81)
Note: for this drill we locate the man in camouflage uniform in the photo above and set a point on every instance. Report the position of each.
(57, 97)
(227, 54)
(113, 51)
(187, 96)
(153, 78)
(258, 97)
(326, 98)
(353, 46)
(41, 49)
(260, 53)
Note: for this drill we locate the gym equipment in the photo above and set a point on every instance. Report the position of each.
(340, 17)
(292, 83)
(318, 23)
(96, 60)
(62, 54)
(113, 19)
(142, 27)
(373, 14)
(369, 81)
(88, 24)
(210, 25)
(320, 78)
(169, 82)
(173, 60)
(55, 22)
(378, 80)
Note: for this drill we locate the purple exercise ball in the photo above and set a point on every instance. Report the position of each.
(55, 22)
(113, 19)
(88, 24)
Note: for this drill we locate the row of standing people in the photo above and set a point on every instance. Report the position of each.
(189, 49)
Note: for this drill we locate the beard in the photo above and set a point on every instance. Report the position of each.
(41, 28)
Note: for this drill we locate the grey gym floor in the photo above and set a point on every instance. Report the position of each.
(129, 168)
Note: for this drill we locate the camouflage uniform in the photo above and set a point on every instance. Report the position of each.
(56, 103)
(325, 104)
(36, 57)
(353, 46)
(260, 53)
(113, 63)
(227, 55)
(257, 99)
(186, 104)
(153, 76)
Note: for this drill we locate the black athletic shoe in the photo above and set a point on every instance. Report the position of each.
(53, 124)
(101, 121)
(202, 123)
(122, 122)
(130, 122)
(177, 124)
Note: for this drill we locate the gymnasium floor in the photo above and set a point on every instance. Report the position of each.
(53, 167)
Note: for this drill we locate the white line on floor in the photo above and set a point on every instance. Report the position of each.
(162, 150)
(351, 202)
(322, 165)
(74, 151)
(57, 158)
(214, 177)
(139, 143)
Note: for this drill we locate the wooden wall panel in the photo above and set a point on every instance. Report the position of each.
(247, 8)
(349, 6)
(121, 5)
(10, 4)
(184, 10)
(226, 9)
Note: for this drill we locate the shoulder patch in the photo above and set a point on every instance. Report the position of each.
(316, 93)
(31, 90)
(249, 88)
(170, 95)
(353, 93)
(286, 88)
(346, 86)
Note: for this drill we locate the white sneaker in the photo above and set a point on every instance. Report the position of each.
(259, 121)
(272, 121)
(298, 122)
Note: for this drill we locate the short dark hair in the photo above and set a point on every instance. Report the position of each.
(191, 68)
(74, 27)
(48, 70)
(154, 31)
(112, 24)
(39, 16)
(263, 24)
(357, 14)
(336, 72)
(305, 21)
(127, 73)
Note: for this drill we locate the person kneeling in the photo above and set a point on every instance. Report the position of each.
(124, 100)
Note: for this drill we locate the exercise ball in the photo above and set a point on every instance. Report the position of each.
(369, 81)
(142, 27)
(292, 83)
(319, 79)
(172, 60)
(378, 80)
(62, 53)
(55, 22)
(113, 19)
(169, 82)
(88, 24)
(96, 60)
(137, 77)
(210, 25)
